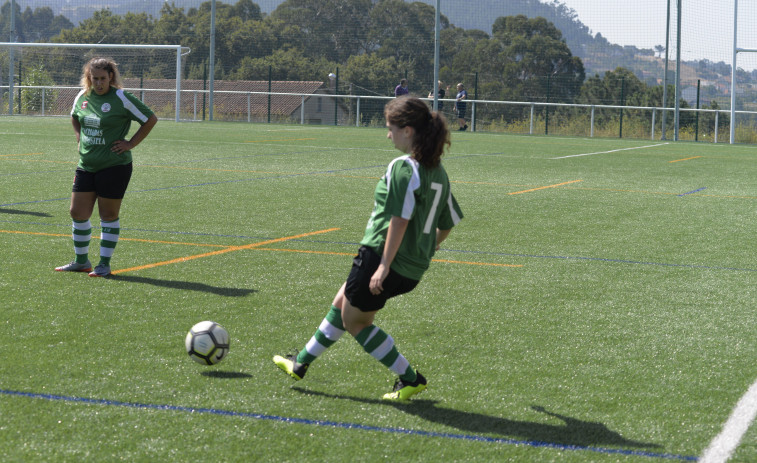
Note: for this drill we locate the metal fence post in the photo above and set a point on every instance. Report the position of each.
(531, 129)
(357, 113)
(654, 113)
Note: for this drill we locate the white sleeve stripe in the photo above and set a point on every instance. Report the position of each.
(455, 217)
(129, 106)
(73, 107)
(414, 184)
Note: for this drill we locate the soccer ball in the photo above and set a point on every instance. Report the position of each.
(207, 343)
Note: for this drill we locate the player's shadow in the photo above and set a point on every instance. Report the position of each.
(572, 432)
(226, 374)
(20, 212)
(186, 285)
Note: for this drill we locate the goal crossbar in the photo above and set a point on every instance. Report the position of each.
(178, 49)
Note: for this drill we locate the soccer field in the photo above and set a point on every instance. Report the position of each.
(597, 302)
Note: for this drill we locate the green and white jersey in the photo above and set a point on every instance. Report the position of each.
(104, 120)
(421, 195)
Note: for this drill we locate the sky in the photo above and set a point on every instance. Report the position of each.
(707, 25)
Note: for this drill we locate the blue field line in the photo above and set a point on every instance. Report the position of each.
(343, 425)
(693, 191)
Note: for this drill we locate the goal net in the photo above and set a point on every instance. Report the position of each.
(43, 78)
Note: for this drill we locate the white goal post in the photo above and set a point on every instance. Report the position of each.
(736, 51)
(177, 48)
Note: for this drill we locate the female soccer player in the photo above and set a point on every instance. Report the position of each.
(101, 117)
(414, 212)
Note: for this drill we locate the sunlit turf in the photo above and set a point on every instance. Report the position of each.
(588, 308)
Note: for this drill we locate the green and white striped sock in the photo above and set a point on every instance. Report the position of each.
(329, 332)
(108, 240)
(82, 235)
(381, 347)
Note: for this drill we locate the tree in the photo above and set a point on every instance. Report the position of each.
(284, 65)
(405, 31)
(332, 29)
(36, 25)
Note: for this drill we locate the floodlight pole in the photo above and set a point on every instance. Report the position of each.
(437, 26)
(733, 71)
(678, 73)
(11, 65)
(665, 74)
(212, 56)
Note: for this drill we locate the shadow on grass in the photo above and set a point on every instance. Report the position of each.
(19, 212)
(226, 374)
(572, 432)
(188, 285)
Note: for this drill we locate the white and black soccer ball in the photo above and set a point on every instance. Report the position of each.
(207, 343)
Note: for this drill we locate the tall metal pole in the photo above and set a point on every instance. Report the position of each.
(665, 76)
(212, 55)
(733, 71)
(437, 25)
(678, 73)
(11, 65)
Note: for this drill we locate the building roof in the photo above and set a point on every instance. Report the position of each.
(230, 97)
(229, 103)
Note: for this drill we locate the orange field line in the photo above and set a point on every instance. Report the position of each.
(544, 187)
(685, 159)
(223, 251)
(20, 154)
(228, 248)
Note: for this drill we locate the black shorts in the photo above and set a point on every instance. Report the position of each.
(110, 182)
(358, 290)
(461, 111)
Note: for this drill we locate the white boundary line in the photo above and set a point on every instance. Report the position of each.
(722, 447)
(611, 151)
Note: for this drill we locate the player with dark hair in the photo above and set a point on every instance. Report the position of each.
(101, 117)
(414, 212)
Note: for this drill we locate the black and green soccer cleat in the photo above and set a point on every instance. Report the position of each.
(290, 366)
(403, 391)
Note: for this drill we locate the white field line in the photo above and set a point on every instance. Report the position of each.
(611, 151)
(722, 447)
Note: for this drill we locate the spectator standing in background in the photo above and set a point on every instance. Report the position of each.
(401, 89)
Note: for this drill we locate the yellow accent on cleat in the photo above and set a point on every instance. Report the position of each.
(403, 392)
(287, 364)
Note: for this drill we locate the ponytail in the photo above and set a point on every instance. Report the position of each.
(431, 132)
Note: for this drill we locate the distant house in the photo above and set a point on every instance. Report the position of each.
(689, 94)
(241, 100)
